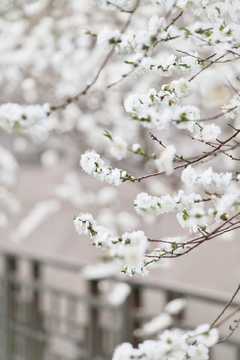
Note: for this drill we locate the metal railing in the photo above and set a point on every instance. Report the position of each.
(39, 321)
(42, 321)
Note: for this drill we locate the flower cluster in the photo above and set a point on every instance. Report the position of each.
(207, 178)
(5, 4)
(17, 117)
(165, 66)
(168, 6)
(174, 344)
(189, 209)
(92, 164)
(112, 5)
(139, 42)
(129, 249)
(232, 108)
(223, 34)
(223, 204)
(48, 38)
(204, 132)
(164, 320)
(157, 110)
(8, 167)
(169, 246)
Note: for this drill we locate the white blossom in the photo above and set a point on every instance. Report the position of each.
(92, 164)
(119, 294)
(123, 352)
(36, 216)
(164, 162)
(118, 147)
(136, 147)
(17, 117)
(100, 271)
(156, 324)
(207, 178)
(203, 334)
(3, 220)
(198, 352)
(156, 24)
(175, 306)
(107, 38)
(146, 204)
(49, 158)
(181, 87)
(207, 132)
(189, 176)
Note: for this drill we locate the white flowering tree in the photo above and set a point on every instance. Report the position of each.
(164, 88)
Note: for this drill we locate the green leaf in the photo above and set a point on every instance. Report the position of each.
(218, 10)
(223, 217)
(88, 32)
(185, 215)
(183, 117)
(129, 62)
(112, 40)
(184, 65)
(188, 32)
(208, 34)
(153, 38)
(108, 135)
(174, 246)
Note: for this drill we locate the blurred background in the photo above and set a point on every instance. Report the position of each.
(50, 307)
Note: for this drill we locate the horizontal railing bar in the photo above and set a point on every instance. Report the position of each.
(64, 320)
(27, 332)
(63, 357)
(41, 336)
(75, 265)
(53, 260)
(186, 291)
(80, 326)
(88, 299)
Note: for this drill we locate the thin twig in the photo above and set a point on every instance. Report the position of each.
(207, 66)
(228, 317)
(210, 153)
(146, 52)
(225, 307)
(232, 331)
(108, 57)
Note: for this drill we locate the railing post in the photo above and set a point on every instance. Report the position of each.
(136, 302)
(36, 348)
(9, 305)
(126, 321)
(94, 346)
(171, 295)
(238, 353)
(210, 353)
